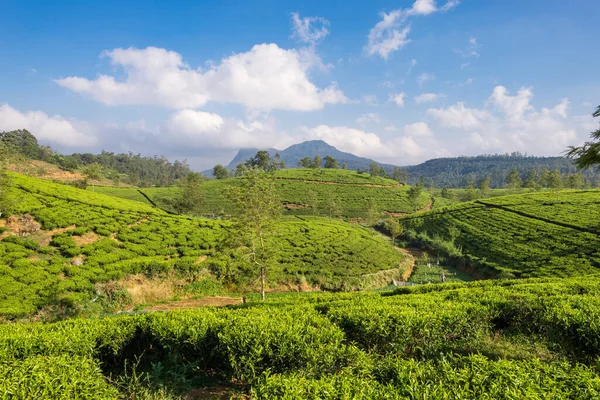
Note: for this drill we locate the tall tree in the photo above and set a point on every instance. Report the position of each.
(21, 141)
(544, 180)
(317, 162)
(93, 172)
(278, 163)
(305, 162)
(587, 155)
(531, 179)
(373, 214)
(414, 196)
(190, 196)
(514, 179)
(331, 162)
(240, 170)
(374, 169)
(262, 160)
(258, 209)
(575, 181)
(400, 175)
(471, 193)
(220, 172)
(344, 166)
(484, 187)
(394, 227)
(555, 180)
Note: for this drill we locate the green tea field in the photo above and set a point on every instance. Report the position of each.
(302, 192)
(534, 234)
(61, 243)
(521, 339)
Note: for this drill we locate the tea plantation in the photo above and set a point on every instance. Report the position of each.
(87, 238)
(535, 234)
(520, 339)
(302, 191)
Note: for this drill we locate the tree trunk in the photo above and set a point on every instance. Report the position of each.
(262, 282)
(262, 271)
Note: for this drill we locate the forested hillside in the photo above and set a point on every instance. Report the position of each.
(458, 172)
(133, 169)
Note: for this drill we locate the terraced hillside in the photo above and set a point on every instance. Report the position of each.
(61, 242)
(534, 234)
(303, 192)
(520, 339)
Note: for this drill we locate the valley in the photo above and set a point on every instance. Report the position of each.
(295, 283)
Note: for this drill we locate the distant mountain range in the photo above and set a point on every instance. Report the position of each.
(450, 172)
(311, 148)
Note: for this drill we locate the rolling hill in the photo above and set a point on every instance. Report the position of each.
(523, 235)
(62, 245)
(450, 172)
(302, 191)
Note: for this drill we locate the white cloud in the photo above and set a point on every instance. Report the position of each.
(459, 116)
(387, 36)
(450, 4)
(398, 98)
(370, 99)
(418, 129)
(48, 129)
(309, 29)
(470, 50)
(424, 77)
(333, 95)
(423, 7)
(192, 122)
(197, 132)
(266, 77)
(386, 84)
(427, 97)
(511, 123)
(391, 33)
(413, 62)
(370, 117)
(390, 128)
(365, 144)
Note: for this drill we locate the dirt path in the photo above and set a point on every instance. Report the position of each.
(210, 301)
(411, 253)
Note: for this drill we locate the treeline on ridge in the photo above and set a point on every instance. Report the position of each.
(133, 169)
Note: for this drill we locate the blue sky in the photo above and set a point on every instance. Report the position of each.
(398, 81)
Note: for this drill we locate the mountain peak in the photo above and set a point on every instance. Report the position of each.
(310, 149)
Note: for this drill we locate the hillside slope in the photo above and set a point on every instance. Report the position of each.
(534, 234)
(458, 171)
(76, 239)
(303, 192)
